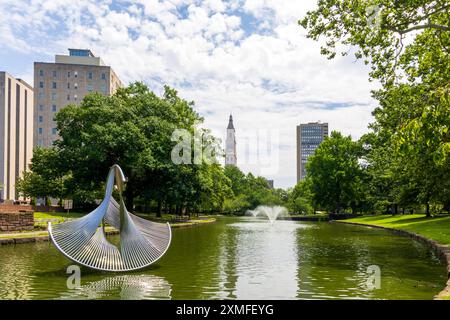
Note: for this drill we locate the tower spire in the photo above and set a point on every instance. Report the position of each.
(230, 123)
(230, 144)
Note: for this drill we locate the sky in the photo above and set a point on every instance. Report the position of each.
(245, 57)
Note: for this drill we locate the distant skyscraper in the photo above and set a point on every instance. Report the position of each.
(230, 148)
(67, 81)
(309, 136)
(16, 132)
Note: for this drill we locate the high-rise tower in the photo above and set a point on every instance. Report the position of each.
(230, 148)
(67, 81)
(16, 133)
(309, 137)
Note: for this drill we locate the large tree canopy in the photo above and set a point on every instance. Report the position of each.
(335, 172)
(388, 34)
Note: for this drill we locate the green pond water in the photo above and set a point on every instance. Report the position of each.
(242, 258)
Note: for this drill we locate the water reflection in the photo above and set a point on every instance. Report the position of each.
(266, 259)
(334, 259)
(125, 287)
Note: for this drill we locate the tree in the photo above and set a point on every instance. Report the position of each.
(407, 45)
(378, 28)
(132, 128)
(335, 172)
(215, 188)
(300, 198)
(250, 191)
(44, 179)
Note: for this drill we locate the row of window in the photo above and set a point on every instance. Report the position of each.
(54, 95)
(90, 74)
(54, 108)
(54, 131)
(89, 87)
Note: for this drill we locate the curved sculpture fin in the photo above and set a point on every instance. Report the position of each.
(142, 242)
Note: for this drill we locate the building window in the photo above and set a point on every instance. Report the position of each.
(41, 119)
(54, 74)
(75, 85)
(75, 97)
(40, 142)
(103, 88)
(54, 108)
(40, 130)
(75, 74)
(54, 85)
(90, 75)
(41, 107)
(68, 74)
(41, 95)
(53, 96)
(68, 97)
(54, 131)
(89, 87)
(41, 73)
(68, 85)
(41, 84)
(103, 76)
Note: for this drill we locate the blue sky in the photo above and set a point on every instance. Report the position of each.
(248, 57)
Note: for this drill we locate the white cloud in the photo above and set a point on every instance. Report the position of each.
(270, 78)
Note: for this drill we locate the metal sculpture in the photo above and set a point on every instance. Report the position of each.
(83, 240)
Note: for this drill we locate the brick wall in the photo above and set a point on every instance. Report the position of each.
(16, 221)
(25, 207)
(15, 208)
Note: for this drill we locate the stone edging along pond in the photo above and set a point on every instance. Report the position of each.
(443, 251)
(23, 238)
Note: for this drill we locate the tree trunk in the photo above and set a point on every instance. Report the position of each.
(188, 212)
(395, 209)
(158, 211)
(428, 210)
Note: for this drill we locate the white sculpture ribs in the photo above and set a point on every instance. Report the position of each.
(83, 240)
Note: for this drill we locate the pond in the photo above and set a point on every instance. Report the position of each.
(243, 258)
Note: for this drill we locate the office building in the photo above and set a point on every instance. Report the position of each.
(309, 136)
(16, 132)
(67, 81)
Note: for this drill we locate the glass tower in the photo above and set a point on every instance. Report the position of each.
(309, 136)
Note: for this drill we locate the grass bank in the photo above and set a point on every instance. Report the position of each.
(435, 228)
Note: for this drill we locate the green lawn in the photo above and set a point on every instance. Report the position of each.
(57, 215)
(435, 228)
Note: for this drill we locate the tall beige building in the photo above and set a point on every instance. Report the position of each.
(230, 144)
(67, 81)
(309, 136)
(16, 132)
